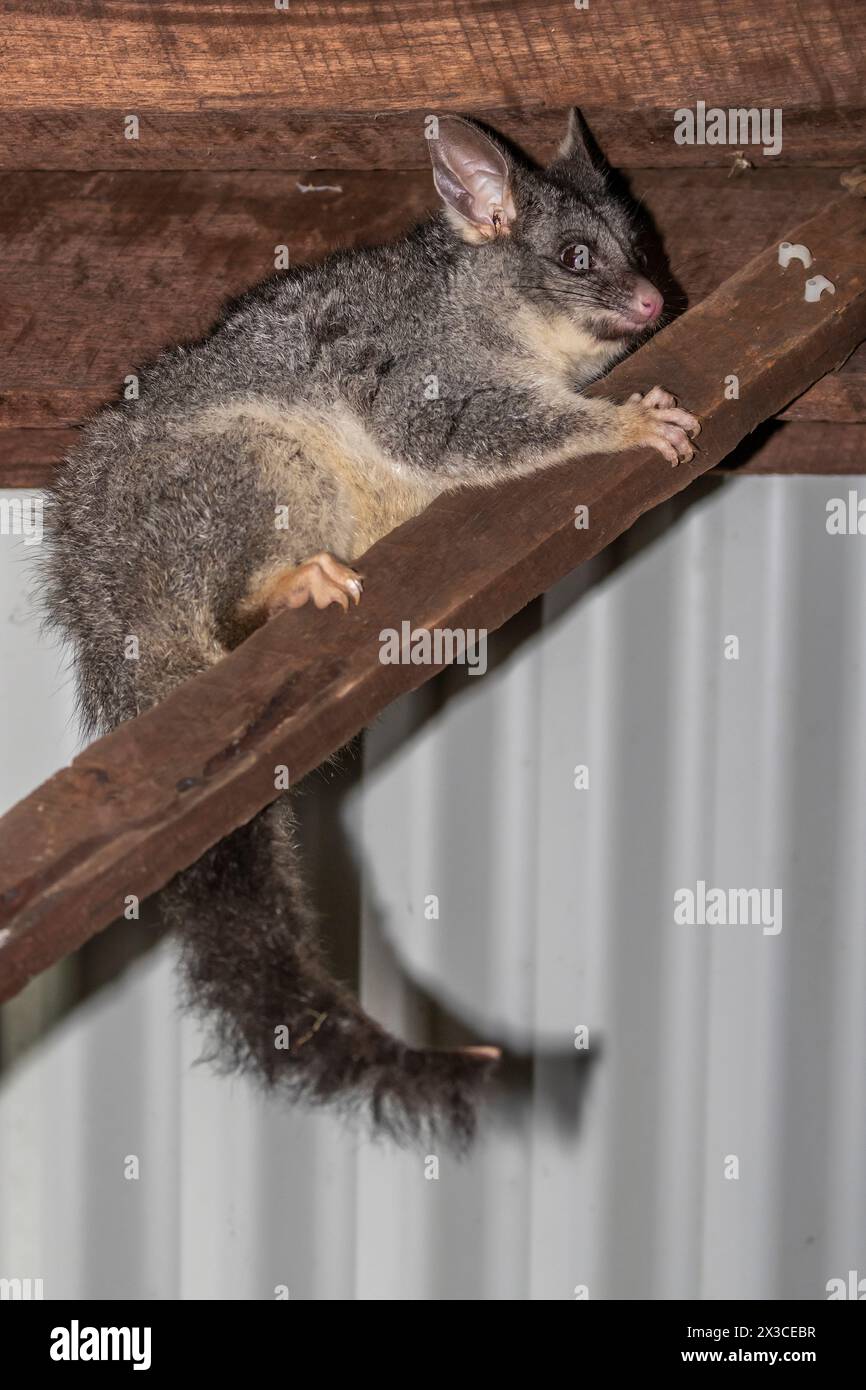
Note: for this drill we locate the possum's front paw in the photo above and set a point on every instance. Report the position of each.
(660, 423)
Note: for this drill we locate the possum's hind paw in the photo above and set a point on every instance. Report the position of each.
(322, 579)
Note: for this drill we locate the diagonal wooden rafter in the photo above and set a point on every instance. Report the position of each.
(141, 804)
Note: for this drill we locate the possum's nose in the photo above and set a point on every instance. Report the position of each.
(646, 302)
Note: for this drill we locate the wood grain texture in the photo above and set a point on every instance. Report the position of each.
(381, 55)
(30, 458)
(839, 398)
(98, 272)
(240, 82)
(285, 139)
(137, 806)
(800, 447)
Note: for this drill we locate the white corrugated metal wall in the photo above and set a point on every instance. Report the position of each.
(555, 910)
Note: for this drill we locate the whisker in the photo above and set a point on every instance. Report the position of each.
(555, 289)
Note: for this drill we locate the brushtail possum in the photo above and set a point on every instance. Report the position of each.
(308, 400)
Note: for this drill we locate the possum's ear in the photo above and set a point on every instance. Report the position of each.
(473, 179)
(578, 157)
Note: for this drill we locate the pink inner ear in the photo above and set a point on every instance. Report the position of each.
(472, 177)
(487, 189)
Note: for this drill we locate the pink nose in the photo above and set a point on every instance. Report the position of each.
(646, 302)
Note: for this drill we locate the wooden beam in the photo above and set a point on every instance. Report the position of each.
(137, 261)
(251, 83)
(279, 139)
(144, 802)
(801, 447)
(839, 398)
(29, 458)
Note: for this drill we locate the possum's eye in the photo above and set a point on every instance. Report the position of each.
(575, 257)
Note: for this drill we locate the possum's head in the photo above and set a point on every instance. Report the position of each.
(563, 237)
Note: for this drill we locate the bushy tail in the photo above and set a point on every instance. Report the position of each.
(253, 969)
(251, 960)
